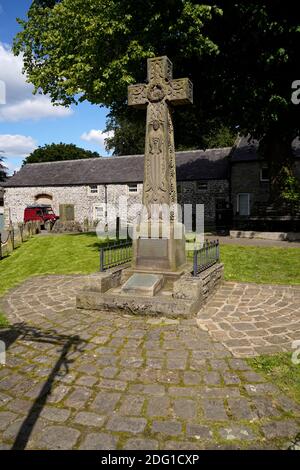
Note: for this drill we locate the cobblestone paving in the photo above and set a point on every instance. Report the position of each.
(96, 380)
(252, 319)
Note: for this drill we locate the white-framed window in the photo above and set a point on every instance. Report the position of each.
(264, 174)
(98, 212)
(132, 187)
(201, 185)
(243, 204)
(93, 189)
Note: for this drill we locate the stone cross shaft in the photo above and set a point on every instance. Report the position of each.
(158, 96)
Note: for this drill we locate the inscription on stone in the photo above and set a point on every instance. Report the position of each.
(154, 248)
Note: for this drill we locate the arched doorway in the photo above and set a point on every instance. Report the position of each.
(43, 199)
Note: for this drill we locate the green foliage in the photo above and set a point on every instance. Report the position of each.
(106, 50)
(241, 57)
(128, 126)
(3, 321)
(3, 169)
(128, 133)
(106, 47)
(219, 137)
(256, 65)
(280, 370)
(290, 187)
(59, 152)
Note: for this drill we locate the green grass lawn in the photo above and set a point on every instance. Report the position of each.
(62, 254)
(280, 370)
(72, 254)
(261, 264)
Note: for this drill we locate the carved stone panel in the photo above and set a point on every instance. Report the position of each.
(158, 94)
(137, 95)
(180, 91)
(159, 69)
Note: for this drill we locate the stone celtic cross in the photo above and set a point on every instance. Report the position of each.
(158, 95)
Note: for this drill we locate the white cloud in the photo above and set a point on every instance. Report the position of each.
(12, 167)
(16, 145)
(34, 109)
(21, 104)
(96, 136)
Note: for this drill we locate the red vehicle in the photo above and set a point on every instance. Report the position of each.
(41, 213)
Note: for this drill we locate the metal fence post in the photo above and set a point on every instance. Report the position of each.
(21, 232)
(101, 259)
(195, 268)
(12, 236)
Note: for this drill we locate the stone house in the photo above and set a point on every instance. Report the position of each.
(89, 184)
(249, 183)
(232, 178)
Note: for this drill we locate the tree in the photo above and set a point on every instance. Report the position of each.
(106, 50)
(192, 130)
(59, 152)
(256, 67)
(3, 169)
(241, 57)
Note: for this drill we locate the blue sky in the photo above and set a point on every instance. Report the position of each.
(26, 120)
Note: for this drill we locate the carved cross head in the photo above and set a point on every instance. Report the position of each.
(161, 86)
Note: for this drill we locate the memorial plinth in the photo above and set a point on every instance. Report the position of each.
(159, 281)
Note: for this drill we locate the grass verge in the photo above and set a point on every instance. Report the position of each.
(79, 254)
(280, 370)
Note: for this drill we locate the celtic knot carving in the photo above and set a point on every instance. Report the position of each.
(160, 92)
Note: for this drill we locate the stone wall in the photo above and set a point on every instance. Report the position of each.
(16, 199)
(187, 295)
(245, 178)
(84, 202)
(200, 288)
(216, 189)
(277, 236)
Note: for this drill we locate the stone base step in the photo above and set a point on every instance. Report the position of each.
(117, 302)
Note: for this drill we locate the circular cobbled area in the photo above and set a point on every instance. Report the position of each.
(77, 379)
(253, 319)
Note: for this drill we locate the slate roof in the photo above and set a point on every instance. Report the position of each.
(246, 151)
(191, 165)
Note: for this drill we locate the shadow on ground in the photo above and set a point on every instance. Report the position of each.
(69, 344)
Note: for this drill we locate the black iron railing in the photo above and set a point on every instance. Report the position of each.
(115, 253)
(206, 256)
